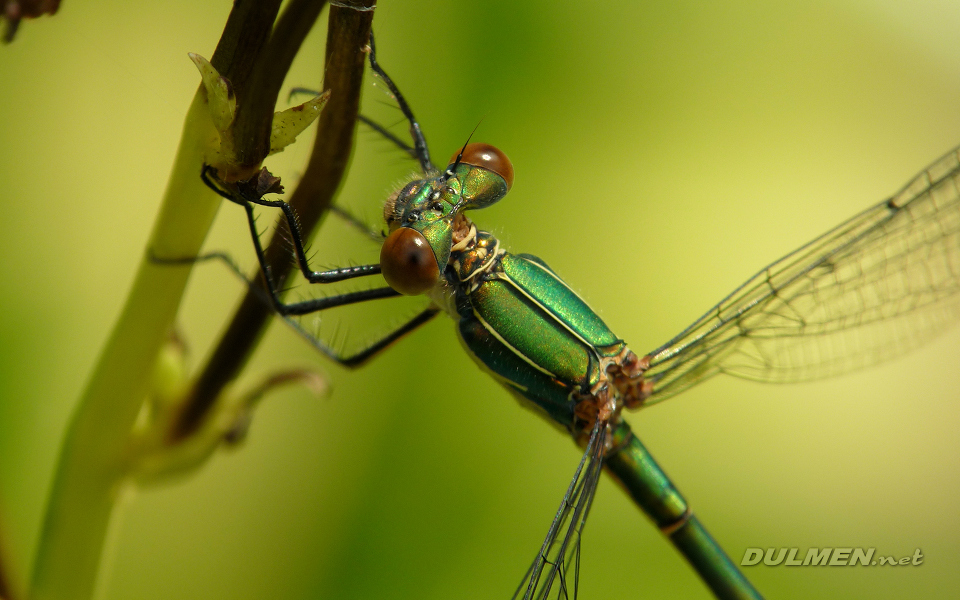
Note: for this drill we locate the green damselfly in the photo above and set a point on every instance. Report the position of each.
(876, 285)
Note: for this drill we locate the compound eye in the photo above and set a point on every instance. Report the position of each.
(408, 263)
(487, 157)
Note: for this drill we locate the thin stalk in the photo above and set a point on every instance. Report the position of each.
(91, 466)
(91, 469)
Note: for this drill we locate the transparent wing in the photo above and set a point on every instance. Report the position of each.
(555, 571)
(868, 290)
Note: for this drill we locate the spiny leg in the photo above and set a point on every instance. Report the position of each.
(377, 127)
(332, 276)
(419, 142)
(357, 358)
(358, 223)
(389, 136)
(341, 212)
(419, 151)
(360, 357)
(222, 257)
(247, 201)
(317, 304)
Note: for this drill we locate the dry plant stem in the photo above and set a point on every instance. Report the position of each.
(247, 30)
(237, 56)
(347, 35)
(92, 465)
(268, 74)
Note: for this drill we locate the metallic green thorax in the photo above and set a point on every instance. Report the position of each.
(527, 327)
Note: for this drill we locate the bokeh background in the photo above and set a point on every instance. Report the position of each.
(662, 155)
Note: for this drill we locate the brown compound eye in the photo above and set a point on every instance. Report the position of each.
(487, 157)
(408, 263)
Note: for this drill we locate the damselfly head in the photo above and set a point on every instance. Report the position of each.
(422, 216)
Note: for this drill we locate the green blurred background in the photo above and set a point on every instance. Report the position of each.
(662, 155)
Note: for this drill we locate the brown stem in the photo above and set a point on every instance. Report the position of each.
(347, 35)
(241, 43)
(255, 109)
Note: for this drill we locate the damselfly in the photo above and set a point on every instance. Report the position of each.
(728, 134)
(869, 289)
